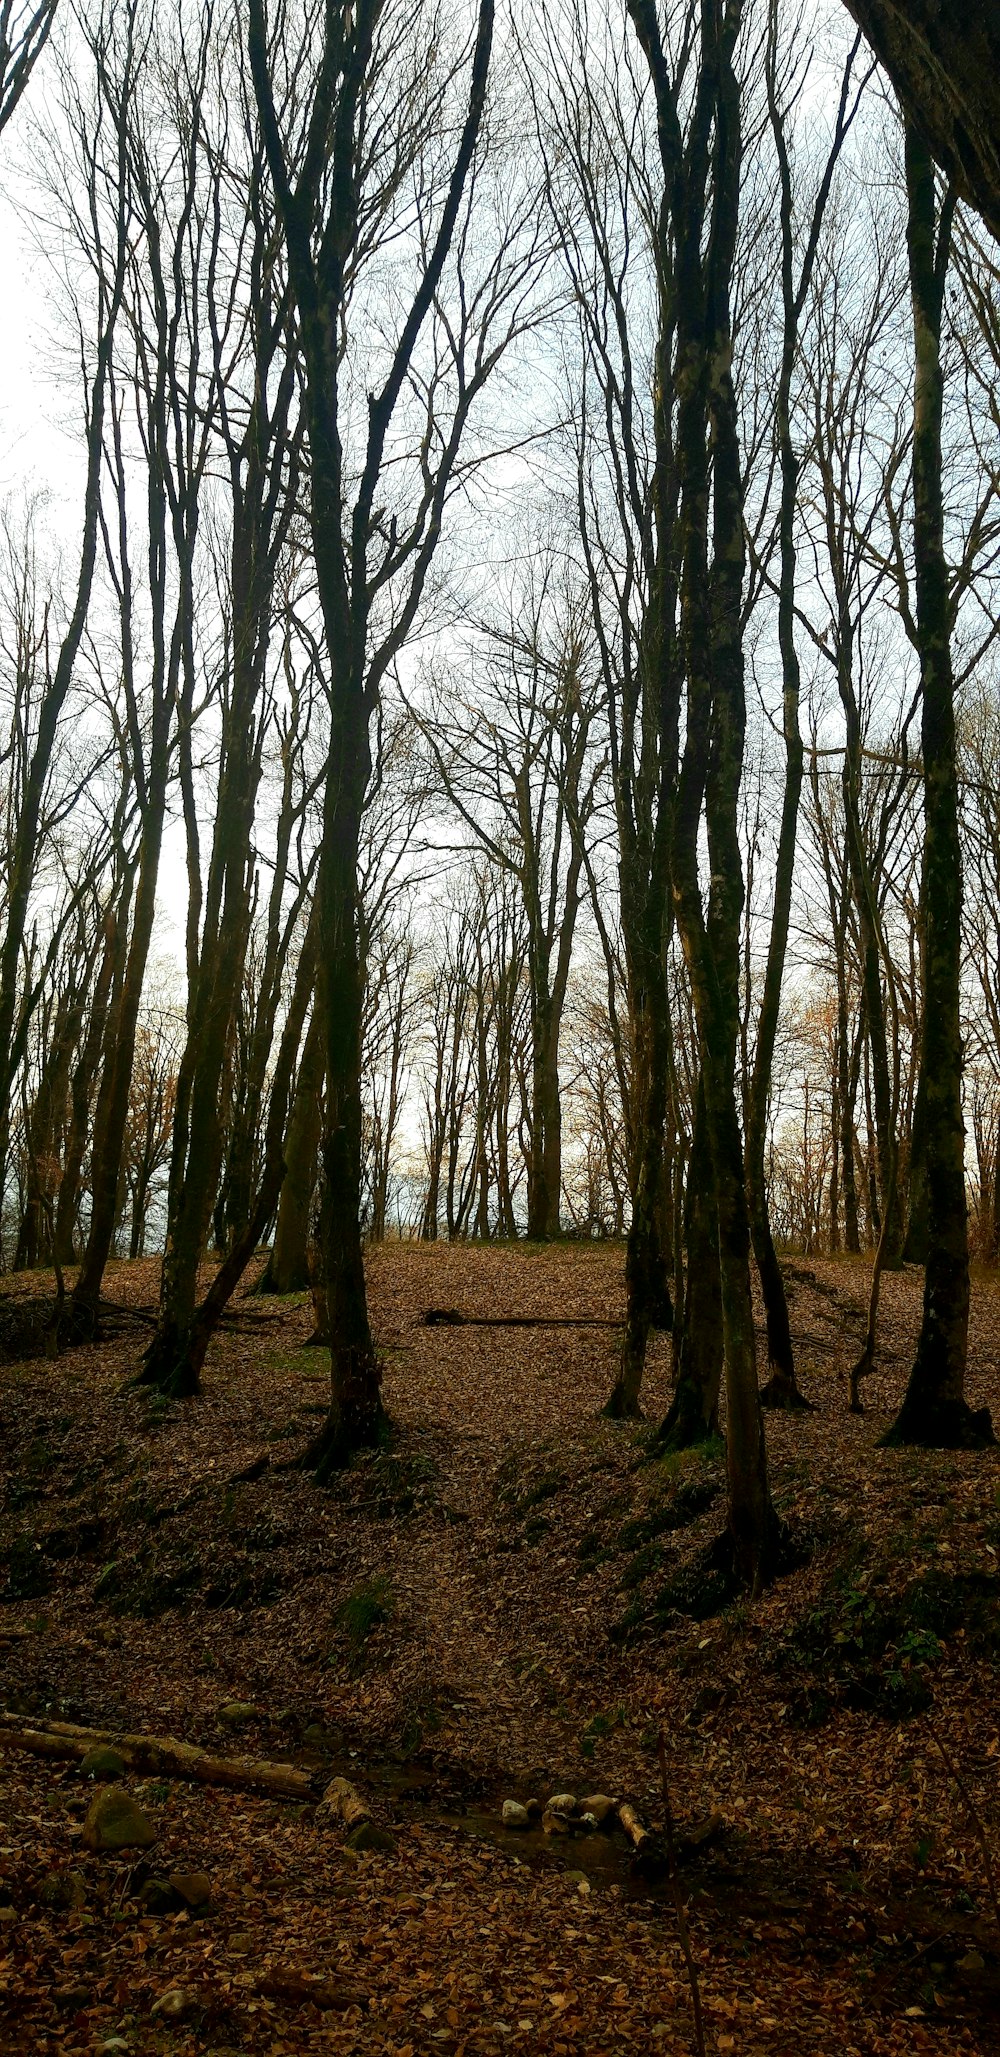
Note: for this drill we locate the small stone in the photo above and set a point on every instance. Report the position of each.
(601, 1807)
(157, 1897)
(555, 1824)
(513, 1815)
(589, 1822)
(580, 1880)
(175, 2003)
(8, 1915)
(972, 1965)
(562, 1803)
(367, 1836)
(194, 1888)
(241, 1944)
(102, 1762)
(114, 2047)
(116, 1822)
(318, 1737)
(236, 1713)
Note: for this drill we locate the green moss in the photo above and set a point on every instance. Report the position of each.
(365, 1609)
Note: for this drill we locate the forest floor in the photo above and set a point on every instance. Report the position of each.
(510, 1599)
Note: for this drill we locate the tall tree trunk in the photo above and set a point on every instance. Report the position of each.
(782, 1387)
(935, 1412)
(355, 1416)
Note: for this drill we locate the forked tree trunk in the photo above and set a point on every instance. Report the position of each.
(935, 1412)
(711, 604)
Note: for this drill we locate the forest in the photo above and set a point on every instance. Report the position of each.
(500, 1027)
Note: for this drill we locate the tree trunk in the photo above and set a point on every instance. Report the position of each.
(355, 1418)
(288, 1265)
(694, 1410)
(935, 1412)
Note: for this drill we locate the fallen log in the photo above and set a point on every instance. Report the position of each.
(450, 1317)
(342, 1802)
(639, 1836)
(161, 1755)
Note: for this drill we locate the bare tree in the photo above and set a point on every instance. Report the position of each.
(24, 32)
(356, 107)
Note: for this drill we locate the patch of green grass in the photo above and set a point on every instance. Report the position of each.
(312, 1364)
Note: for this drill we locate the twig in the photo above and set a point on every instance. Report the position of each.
(678, 1899)
(974, 1816)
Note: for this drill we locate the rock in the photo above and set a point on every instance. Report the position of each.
(367, 1836)
(236, 1713)
(194, 1888)
(555, 1824)
(562, 1803)
(580, 1880)
(601, 1807)
(116, 2046)
(116, 1822)
(175, 2003)
(590, 1823)
(102, 1762)
(8, 1915)
(157, 1897)
(241, 1944)
(971, 1966)
(318, 1737)
(513, 1815)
